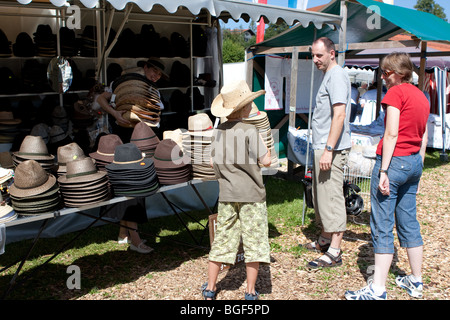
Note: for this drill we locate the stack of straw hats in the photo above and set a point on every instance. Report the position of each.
(172, 166)
(137, 95)
(83, 184)
(131, 174)
(67, 153)
(197, 145)
(145, 139)
(34, 148)
(105, 151)
(7, 213)
(34, 191)
(260, 120)
(176, 135)
(9, 127)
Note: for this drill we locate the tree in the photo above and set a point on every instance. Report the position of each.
(431, 7)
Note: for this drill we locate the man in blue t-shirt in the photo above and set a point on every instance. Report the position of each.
(331, 143)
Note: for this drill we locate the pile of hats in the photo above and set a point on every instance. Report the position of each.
(34, 148)
(105, 151)
(45, 41)
(260, 120)
(41, 129)
(68, 41)
(34, 191)
(9, 127)
(131, 174)
(197, 145)
(138, 96)
(5, 45)
(7, 213)
(145, 139)
(172, 166)
(67, 153)
(83, 184)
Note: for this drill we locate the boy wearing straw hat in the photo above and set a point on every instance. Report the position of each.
(236, 150)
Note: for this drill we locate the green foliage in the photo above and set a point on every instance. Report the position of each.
(431, 7)
(232, 51)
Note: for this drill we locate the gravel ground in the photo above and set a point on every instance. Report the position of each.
(286, 278)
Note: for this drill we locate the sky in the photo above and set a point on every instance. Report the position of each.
(313, 3)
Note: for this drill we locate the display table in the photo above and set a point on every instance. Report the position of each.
(93, 215)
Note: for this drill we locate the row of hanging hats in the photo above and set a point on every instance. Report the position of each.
(197, 145)
(260, 120)
(34, 190)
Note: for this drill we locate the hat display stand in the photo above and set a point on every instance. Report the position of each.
(131, 174)
(145, 139)
(172, 165)
(34, 191)
(260, 120)
(83, 184)
(34, 148)
(196, 144)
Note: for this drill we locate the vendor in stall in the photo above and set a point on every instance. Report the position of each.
(122, 125)
(135, 211)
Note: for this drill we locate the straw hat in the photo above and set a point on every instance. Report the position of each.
(81, 170)
(168, 155)
(34, 148)
(31, 179)
(68, 152)
(7, 117)
(200, 124)
(233, 97)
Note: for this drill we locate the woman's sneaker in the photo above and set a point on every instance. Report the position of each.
(365, 293)
(414, 289)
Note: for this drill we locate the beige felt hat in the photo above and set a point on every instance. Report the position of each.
(232, 97)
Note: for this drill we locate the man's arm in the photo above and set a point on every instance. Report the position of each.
(103, 101)
(337, 124)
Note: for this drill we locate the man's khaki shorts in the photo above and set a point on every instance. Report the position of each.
(328, 194)
(241, 219)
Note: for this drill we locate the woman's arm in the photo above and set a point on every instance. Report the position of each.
(389, 142)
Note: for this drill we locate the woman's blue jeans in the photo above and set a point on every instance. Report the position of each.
(399, 207)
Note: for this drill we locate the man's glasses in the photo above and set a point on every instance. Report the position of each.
(387, 73)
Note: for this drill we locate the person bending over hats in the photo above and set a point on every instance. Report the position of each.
(237, 148)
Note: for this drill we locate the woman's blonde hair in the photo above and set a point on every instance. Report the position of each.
(400, 63)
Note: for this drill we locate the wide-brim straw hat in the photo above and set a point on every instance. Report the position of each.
(31, 179)
(233, 97)
(34, 148)
(200, 125)
(256, 114)
(106, 147)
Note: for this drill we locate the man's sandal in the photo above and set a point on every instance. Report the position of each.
(208, 294)
(320, 263)
(315, 246)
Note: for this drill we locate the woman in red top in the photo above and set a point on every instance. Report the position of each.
(395, 179)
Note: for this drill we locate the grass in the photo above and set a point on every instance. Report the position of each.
(109, 263)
